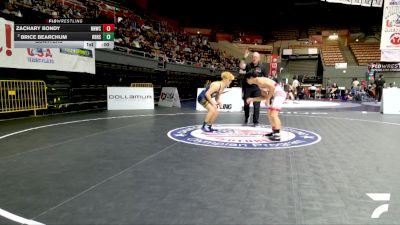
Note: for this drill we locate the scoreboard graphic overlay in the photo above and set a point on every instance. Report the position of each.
(64, 33)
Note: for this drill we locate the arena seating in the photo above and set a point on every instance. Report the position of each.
(136, 31)
(286, 34)
(299, 46)
(331, 54)
(366, 52)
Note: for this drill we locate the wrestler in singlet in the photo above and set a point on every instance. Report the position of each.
(202, 96)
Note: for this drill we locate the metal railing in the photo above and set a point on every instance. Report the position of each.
(22, 95)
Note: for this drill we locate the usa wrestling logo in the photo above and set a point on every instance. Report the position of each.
(243, 137)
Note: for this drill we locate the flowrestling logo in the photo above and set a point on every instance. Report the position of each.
(243, 137)
(382, 197)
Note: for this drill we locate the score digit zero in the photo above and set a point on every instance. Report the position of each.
(108, 27)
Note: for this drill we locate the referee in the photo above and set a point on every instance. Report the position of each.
(251, 91)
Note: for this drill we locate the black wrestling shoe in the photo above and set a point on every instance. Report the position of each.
(275, 137)
(212, 129)
(269, 135)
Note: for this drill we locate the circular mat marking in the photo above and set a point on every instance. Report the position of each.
(243, 137)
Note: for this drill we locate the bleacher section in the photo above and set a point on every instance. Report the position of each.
(227, 47)
(237, 50)
(376, 30)
(300, 46)
(331, 54)
(366, 52)
(314, 30)
(254, 48)
(303, 67)
(354, 30)
(136, 30)
(286, 34)
(139, 37)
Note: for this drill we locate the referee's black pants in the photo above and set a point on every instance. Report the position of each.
(379, 93)
(251, 92)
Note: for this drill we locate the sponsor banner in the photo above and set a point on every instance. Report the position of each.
(390, 101)
(390, 35)
(231, 100)
(77, 52)
(347, 2)
(273, 66)
(377, 3)
(313, 51)
(130, 98)
(340, 65)
(243, 137)
(71, 60)
(384, 67)
(169, 97)
(390, 55)
(287, 51)
(366, 3)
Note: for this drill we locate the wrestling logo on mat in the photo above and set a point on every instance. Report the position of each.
(243, 137)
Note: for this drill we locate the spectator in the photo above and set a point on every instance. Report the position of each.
(295, 86)
(312, 90)
(8, 9)
(347, 96)
(354, 85)
(333, 92)
(138, 32)
(380, 83)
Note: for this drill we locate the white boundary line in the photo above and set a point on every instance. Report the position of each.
(18, 219)
(81, 121)
(22, 220)
(106, 180)
(344, 118)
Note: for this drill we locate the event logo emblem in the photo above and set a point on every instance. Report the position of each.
(40, 55)
(243, 137)
(168, 96)
(395, 38)
(39, 52)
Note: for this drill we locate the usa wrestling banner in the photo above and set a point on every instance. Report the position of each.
(390, 35)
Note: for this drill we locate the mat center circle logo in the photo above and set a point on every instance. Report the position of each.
(243, 137)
